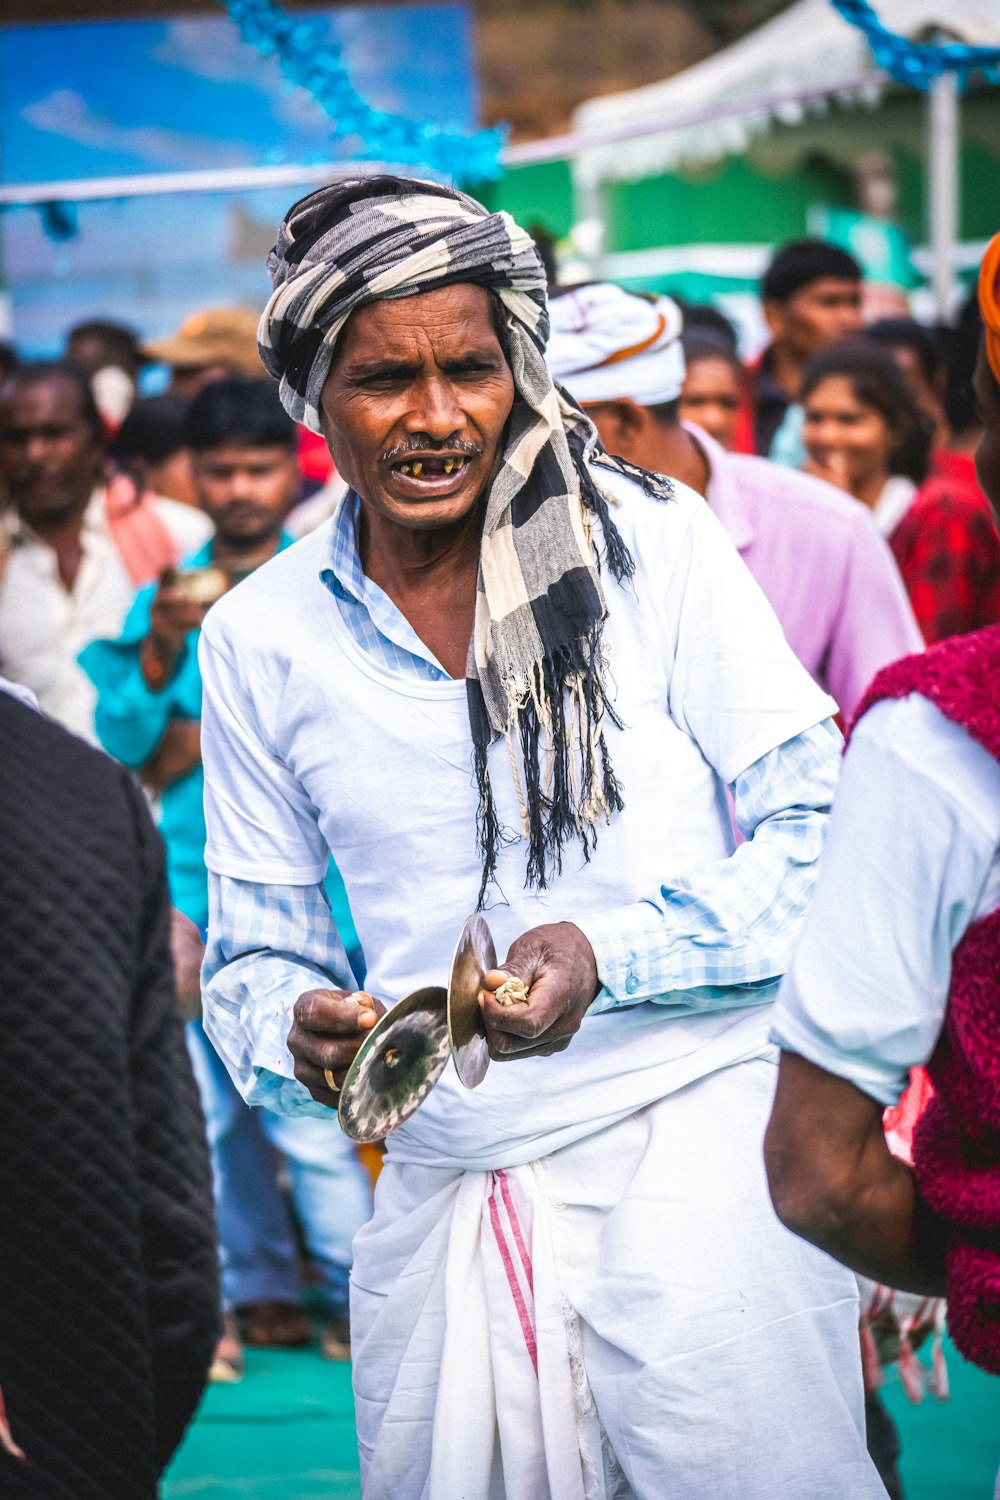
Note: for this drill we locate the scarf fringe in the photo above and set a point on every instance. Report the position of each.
(565, 783)
(559, 758)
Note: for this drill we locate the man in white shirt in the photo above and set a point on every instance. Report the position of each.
(899, 967)
(573, 1286)
(911, 863)
(75, 543)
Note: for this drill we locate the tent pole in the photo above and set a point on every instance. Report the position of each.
(942, 153)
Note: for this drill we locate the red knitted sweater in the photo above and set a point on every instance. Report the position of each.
(956, 1149)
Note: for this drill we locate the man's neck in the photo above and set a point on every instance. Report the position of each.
(64, 534)
(785, 368)
(674, 452)
(235, 555)
(403, 560)
(431, 578)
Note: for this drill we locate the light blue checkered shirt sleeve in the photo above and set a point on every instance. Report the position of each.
(267, 945)
(708, 938)
(722, 935)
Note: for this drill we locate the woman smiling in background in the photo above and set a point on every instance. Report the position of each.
(862, 431)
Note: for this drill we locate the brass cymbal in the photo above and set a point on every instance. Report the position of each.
(474, 955)
(397, 1065)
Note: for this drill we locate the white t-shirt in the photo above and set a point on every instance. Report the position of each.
(911, 859)
(44, 626)
(311, 746)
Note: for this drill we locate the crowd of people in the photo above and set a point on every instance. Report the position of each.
(404, 604)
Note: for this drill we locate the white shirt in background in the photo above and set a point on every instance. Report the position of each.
(897, 495)
(911, 860)
(44, 626)
(318, 508)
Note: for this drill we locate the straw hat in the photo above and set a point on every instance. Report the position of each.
(224, 336)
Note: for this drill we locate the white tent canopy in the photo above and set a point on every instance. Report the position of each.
(806, 49)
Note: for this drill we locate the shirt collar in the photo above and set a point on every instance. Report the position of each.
(344, 576)
(724, 494)
(19, 532)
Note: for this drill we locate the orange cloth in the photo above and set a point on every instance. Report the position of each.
(144, 541)
(989, 303)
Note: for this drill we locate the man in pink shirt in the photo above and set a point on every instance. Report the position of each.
(815, 552)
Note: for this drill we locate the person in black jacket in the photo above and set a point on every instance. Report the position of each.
(108, 1272)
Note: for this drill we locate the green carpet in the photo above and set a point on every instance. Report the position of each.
(286, 1433)
(951, 1449)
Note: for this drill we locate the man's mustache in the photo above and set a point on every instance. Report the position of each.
(424, 444)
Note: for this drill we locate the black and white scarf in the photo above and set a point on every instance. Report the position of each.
(536, 671)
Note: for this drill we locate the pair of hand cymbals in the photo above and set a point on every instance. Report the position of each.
(405, 1053)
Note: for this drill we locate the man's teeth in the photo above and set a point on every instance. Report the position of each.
(416, 469)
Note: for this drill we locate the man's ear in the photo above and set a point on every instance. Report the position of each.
(618, 423)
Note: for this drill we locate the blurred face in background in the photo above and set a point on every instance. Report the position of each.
(246, 491)
(848, 441)
(711, 396)
(188, 380)
(816, 315)
(50, 455)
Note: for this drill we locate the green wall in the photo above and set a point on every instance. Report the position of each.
(979, 192)
(727, 203)
(765, 197)
(541, 194)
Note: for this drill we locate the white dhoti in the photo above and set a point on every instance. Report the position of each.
(623, 1318)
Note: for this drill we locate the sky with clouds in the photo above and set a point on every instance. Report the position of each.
(112, 98)
(117, 97)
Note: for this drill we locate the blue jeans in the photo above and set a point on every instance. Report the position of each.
(329, 1188)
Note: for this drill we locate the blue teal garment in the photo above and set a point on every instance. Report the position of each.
(787, 447)
(131, 720)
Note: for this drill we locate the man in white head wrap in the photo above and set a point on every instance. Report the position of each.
(607, 343)
(827, 573)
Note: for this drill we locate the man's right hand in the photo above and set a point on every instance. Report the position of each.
(327, 1031)
(173, 614)
(177, 754)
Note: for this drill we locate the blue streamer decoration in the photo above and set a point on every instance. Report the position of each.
(311, 61)
(58, 220)
(918, 63)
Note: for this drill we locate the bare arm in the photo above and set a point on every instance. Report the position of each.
(176, 756)
(835, 1183)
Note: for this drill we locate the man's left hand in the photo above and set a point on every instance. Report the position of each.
(187, 951)
(557, 965)
(176, 756)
